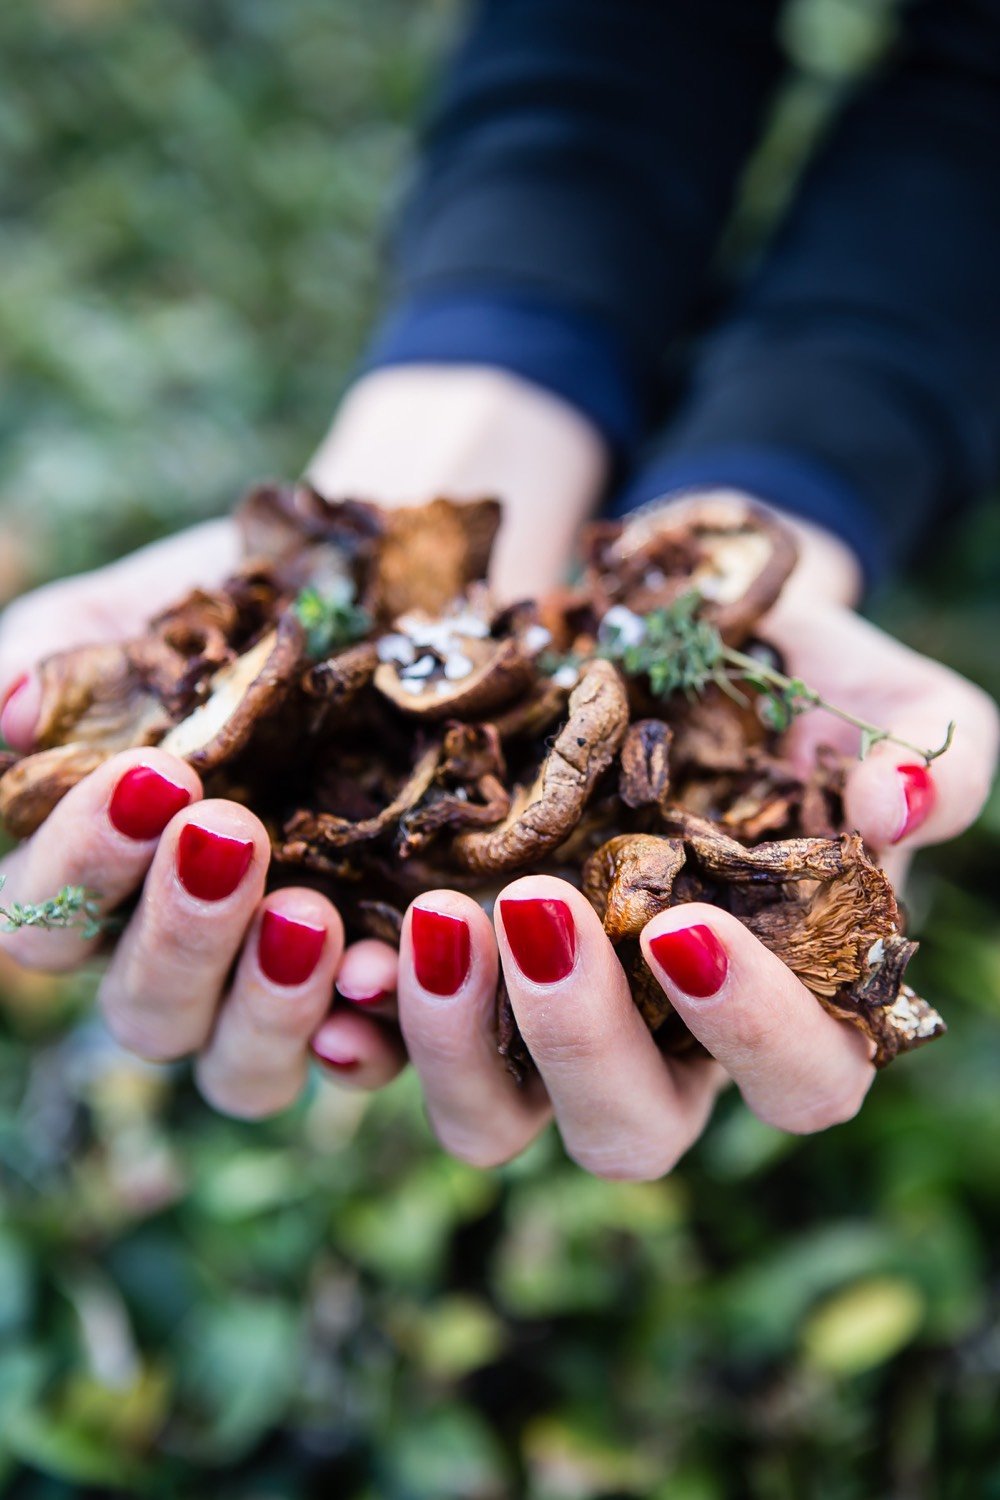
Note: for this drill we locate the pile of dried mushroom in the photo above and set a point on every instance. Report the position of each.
(356, 686)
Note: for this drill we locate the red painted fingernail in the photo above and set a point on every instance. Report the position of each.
(288, 951)
(373, 997)
(442, 950)
(919, 795)
(692, 958)
(19, 711)
(542, 937)
(144, 801)
(210, 865)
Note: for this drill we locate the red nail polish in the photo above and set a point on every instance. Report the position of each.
(542, 937)
(919, 793)
(374, 997)
(144, 801)
(442, 950)
(288, 951)
(210, 865)
(693, 959)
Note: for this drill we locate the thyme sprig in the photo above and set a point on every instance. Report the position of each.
(331, 617)
(679, 651)
(73, 906)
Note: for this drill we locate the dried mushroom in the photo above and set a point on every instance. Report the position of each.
(31, 788)
(734, 555)
(543, 815)
(355, 684)
(242, 696)
(449, 666)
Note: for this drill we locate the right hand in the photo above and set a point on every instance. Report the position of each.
(207, 964)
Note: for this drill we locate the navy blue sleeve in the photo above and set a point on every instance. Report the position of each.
(858, 379)
(573, 180)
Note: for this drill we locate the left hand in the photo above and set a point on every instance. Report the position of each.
(622, 1107)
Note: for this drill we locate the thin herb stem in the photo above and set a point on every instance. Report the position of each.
(799, 694)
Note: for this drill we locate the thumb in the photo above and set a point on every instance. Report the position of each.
(109, 604)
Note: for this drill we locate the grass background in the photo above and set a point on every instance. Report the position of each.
(325, 1304)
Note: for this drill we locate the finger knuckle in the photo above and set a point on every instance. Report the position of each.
(144, 1030)
(638, 1162)
(247, 1099)
(837, 1107)
(561, 1044)
(476, 1147)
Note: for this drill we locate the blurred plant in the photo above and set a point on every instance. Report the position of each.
(324, 1303)
(73, 906)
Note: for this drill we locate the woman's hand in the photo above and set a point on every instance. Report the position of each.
(623, 1109)
(206, 964)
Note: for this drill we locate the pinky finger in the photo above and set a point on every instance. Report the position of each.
(358, 1051)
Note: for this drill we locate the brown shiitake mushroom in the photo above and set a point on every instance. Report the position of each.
(244, 695)
(31, 787)
(543, 815)
(420, 754)
(820, 905)
(735, 555)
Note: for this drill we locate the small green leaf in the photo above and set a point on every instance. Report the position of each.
(330, 617)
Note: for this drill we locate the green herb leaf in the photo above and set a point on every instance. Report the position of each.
(73, 906)
(331, 618)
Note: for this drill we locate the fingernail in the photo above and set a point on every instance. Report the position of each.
(919, 795)
(143, 803)
(364, 997)
(19, 711)
(210, 865)
(692, 958)
(442, 950)
(288, 951)
(332, 1056)
(542, 937)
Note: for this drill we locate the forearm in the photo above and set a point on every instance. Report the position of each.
(404, 435)
(858, 380)
(570, 191)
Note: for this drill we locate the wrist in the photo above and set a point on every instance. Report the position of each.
(405, 434)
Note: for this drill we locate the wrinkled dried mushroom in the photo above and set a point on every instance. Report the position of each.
(354, 683)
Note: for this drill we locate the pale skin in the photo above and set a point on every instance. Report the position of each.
(185, 978)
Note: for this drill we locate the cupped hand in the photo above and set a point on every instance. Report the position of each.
(206, 963)
(622, 1107)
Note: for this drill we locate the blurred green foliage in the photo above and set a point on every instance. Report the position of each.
(326, 1304)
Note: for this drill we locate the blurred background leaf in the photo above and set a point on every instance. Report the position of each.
(324, 1304)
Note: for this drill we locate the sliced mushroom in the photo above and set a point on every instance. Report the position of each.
(245, 694)
(470, 791)
(336, 682)
(820, 905)
(542, 816)
(93, 695)
(497, 672)
(644, 777)
(32, 787)
(308, 834)
(430, 554)
(734, 554)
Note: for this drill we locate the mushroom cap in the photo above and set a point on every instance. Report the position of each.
(499, 672)
(248, 691)
(543, 816)
(736, 555)
(32, 787)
